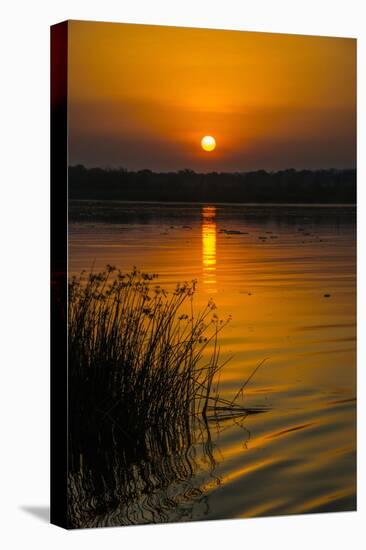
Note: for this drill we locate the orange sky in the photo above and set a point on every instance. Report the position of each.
(143, 96)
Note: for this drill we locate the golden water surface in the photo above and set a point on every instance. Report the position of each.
(286, 275)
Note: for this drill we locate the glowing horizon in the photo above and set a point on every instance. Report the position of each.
(143, 96)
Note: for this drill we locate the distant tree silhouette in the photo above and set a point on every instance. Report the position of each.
(286, 186)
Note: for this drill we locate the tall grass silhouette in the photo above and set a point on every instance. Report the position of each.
(142, 367)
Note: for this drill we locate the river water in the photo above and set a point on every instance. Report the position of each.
(287, 277)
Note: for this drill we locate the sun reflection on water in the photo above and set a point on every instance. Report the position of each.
(209, 247)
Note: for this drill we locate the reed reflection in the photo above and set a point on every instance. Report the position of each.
(209, 247)
(164, 477)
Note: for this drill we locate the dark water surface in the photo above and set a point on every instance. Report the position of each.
(286, 275)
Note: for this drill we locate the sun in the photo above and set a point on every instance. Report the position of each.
(208, 143)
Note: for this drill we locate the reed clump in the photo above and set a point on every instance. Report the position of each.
(137, 359)
(142, 388)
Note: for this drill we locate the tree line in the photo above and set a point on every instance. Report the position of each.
(285, 186)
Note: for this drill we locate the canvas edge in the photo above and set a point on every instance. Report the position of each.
(58, 298)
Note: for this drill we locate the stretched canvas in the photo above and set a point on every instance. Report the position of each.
(203, 274)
